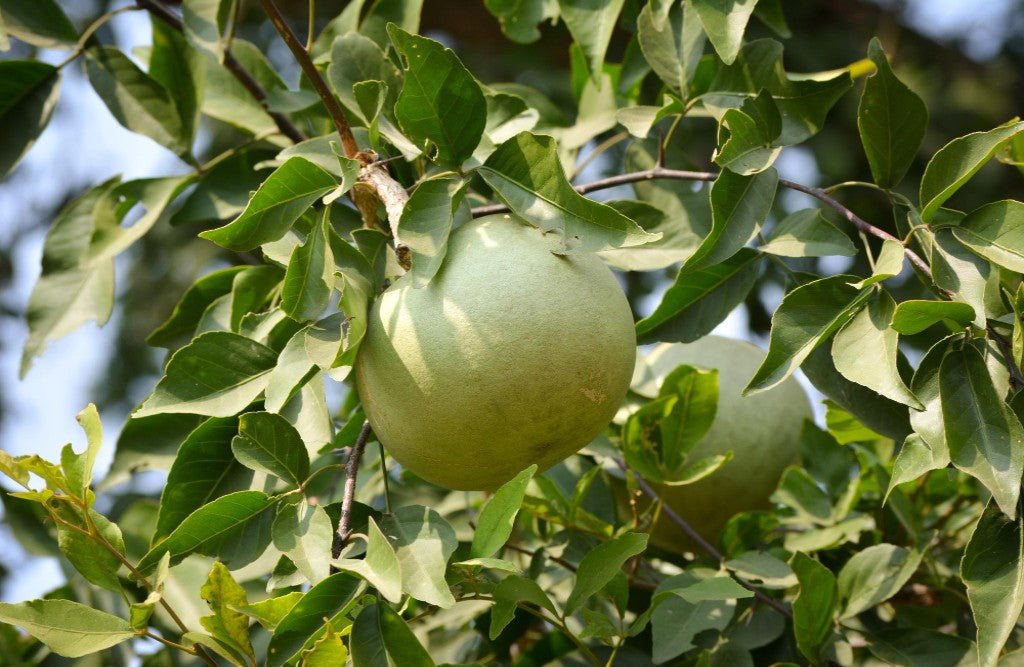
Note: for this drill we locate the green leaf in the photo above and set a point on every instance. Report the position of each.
(713, 588)
(109, 237)
(283, 197)
(815, 605)
(511, 591)
(700, 299)
(93, 560)
(971, 278)
(181, 70)
(915, 316)
(147, 444)
(381, 638)
(806, 233)
(303, 533)
(874, 575)
(591, 22)
(223, 190)
(955, 163)
(235, 528)
(356, 58)
(806, 318)
(917, 647)
(762, 567)
(600, 565)
(217, 374)
(441, 107)
(868, 336)
(993, 571)
(269, 443)
(739, 204)
(675, 622)
(803, 103)
(996, 232)
(69, 294)
(929, 423)
(28, 94)
(70, 629)
(673, 46)
(221, 592)
(218, 646)
(403, 13)
(985, 438)
(519, 18)
(527, 175)
(203, 470)
(748, 150)
(426, 222)
(423, 542)
(40, 23)
(891, 120)
(658, 438)
(204, 22)
(380, 567)
(135, 99)
(309, 280)
(330, 599)
(498, 516)
(802, 493)
(271, 611)
(328, 651)
(294, 368)
(724, 22)
(916, 457)
(180, 326)
(78, 467)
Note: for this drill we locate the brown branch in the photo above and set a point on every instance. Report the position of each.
(676, 174)
(284, 124)
(351, 471)
(372, 174)
(348, 142)
(702, 543)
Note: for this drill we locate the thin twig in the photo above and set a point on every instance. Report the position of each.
(702, 543)
(1016, 378)
(288, 129)
(348, 142)
(351, 472)
(657, 172)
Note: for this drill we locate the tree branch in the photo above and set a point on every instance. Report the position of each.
(372, 173)
(351, 471)
(162, 12)
(658, 172)
(348, 142)
(702, 543)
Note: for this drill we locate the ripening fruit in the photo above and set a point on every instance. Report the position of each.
(762, 430)
(511, 355)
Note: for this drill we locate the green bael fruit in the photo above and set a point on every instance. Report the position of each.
(762, 431)
(511, 355)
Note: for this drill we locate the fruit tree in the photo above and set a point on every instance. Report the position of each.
(428, 334)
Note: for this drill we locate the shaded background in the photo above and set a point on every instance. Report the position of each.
(965, 59)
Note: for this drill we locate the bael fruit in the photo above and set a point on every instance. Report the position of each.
(511, 355)
(762, 430)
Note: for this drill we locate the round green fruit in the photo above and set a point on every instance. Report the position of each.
(761, 430)
(511, 355)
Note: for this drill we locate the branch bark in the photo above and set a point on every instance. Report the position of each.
(703, 543)
(284, 124)
(351, 472)
(656, 173)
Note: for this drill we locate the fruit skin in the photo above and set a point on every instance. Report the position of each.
(762, 430)
(511, 355)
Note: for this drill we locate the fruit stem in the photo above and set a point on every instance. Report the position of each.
(704, 544)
